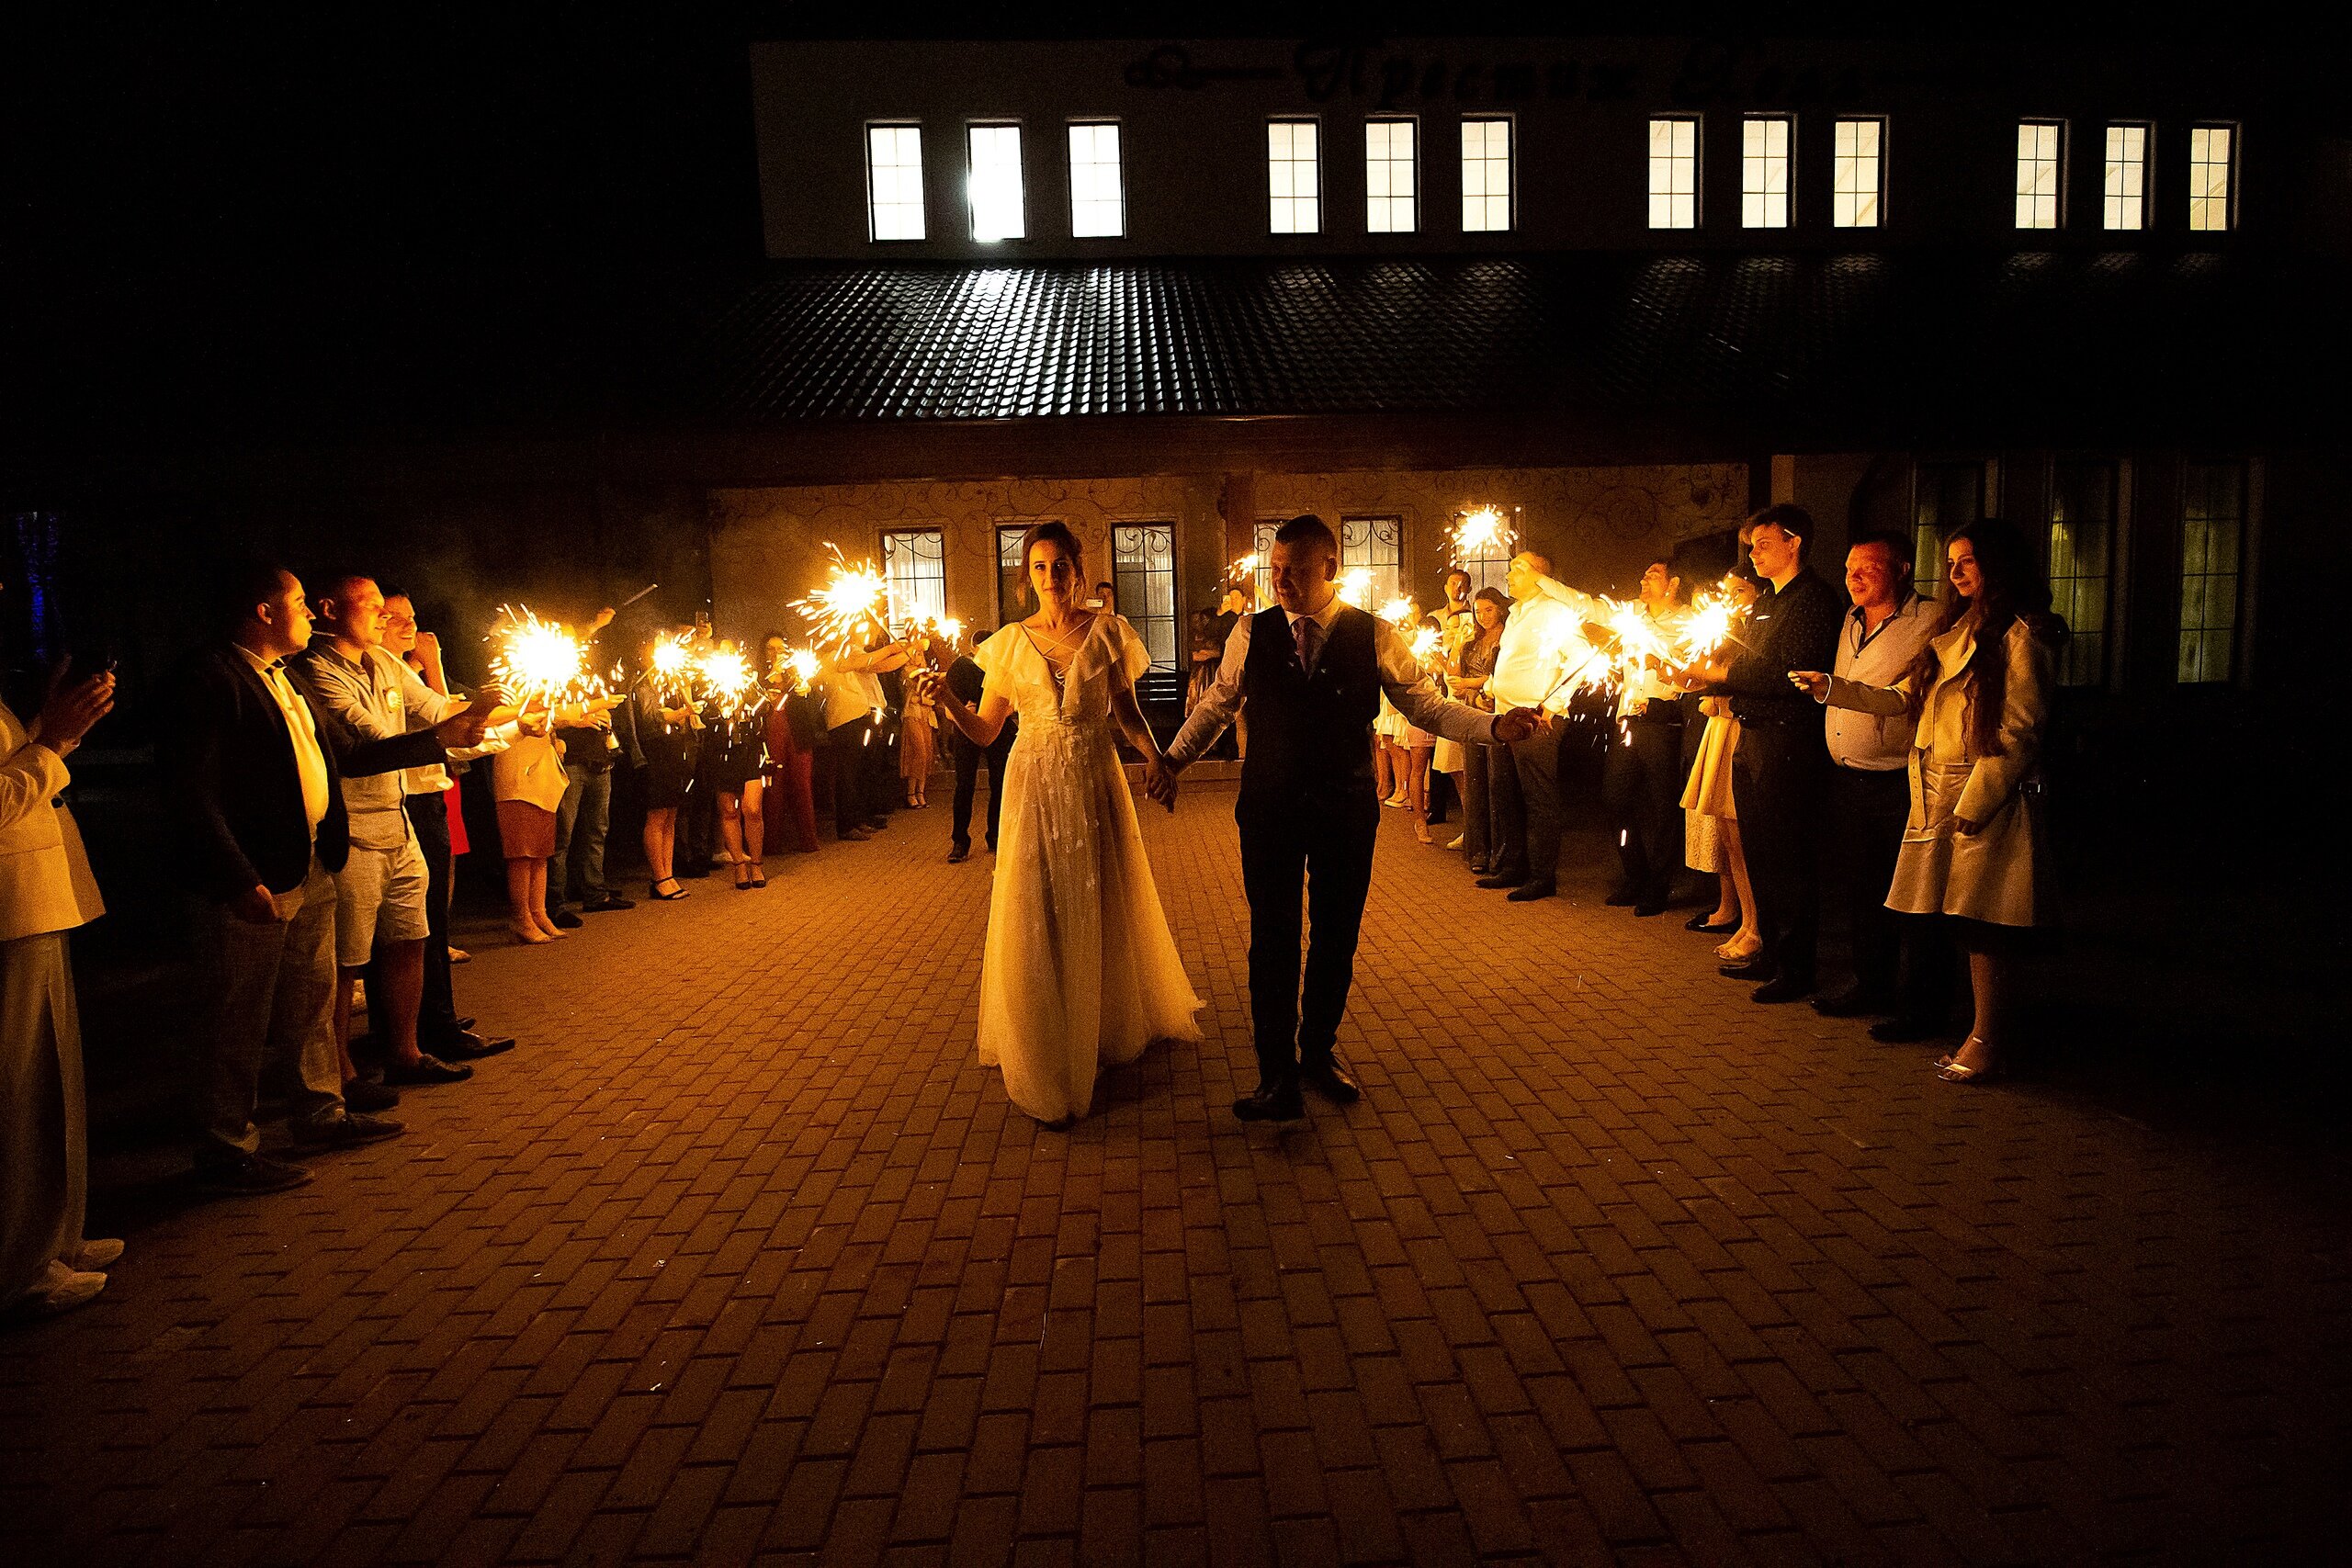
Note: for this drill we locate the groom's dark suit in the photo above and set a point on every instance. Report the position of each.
(1309, 813)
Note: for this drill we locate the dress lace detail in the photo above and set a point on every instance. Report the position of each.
(1079, 971)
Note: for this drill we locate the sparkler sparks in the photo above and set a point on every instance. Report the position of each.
(852, 596)
(1397, 611)
(1481, 533)
(1355, 586)
(729, 683)
(539, 663)
(1426, 643)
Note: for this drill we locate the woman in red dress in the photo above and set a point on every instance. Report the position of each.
(791, 802)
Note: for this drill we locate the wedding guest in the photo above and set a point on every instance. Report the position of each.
(966, 681)
(1455, 626)
(362, 693)
(576, 869)
(917, 743)
(1641, 775)
(733, 744)
(1978, 696)
(1206, 650)
(1240, 599)
(46, 1265)
(1711, 812)
(1106, 598)
(1546, 618)
(1779, 775)
(250, 790)
(853, 703)
(429, 796)
(787, 796)
(666, 731)
(527, 781)
(1870, 793)
(1472, 667)
(1418, 747)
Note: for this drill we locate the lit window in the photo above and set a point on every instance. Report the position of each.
(1098, 197)
(1388, 185)
(2037, 173)
(1485, 176)
(894, 181)
(1857, 179)
(1944, 496)
(2126, 180)
(2211, 167)
(1012, 579)
(914, 575)
(1262, 541)
(1294, 178)
(1764, 172)
(2081, 540)
(2212, 526)
(999, 209)
(1674, 173)
(1376, 544)
(1143, 573)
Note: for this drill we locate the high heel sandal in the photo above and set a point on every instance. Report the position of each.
(653, 890)
(1948, 1068)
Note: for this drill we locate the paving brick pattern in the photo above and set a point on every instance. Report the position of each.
(744, 1258)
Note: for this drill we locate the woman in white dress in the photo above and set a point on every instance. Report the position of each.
(1079, 971)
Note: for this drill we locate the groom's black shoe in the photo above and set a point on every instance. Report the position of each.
(958, 853)
(1503, 879)
(1544, 890)
(1271, 1103)
(1330, 1080)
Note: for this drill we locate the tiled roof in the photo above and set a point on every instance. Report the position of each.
(1810, 333)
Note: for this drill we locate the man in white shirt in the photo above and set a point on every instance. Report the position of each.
(1641, 777)
(1869, 787)
(1531, 670)
(854, 733)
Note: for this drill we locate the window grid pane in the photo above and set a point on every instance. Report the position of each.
(1764, 172)
(2212, 524)
(2038, 173)
(998, 201)
(1294, 176)
(1854, 197)
(1143, 573)
(1485, 176)
(1011, 582)
(1674, 173)
(1374, 544)
(1263, 543)
(1944, 496)
(2210, 168)
(1388, 170)
(894, 181)
(2126, 176)
(1098, 199)
(2082, 538)
(914, 575)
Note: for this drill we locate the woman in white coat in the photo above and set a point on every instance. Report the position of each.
(1973, 853)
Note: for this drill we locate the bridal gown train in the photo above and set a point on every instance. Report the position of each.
(1080, 972)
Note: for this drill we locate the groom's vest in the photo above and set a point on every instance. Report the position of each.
(1310, 737)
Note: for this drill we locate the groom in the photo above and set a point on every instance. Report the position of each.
(1310, 671)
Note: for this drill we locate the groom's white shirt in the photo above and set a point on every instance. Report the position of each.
(1414, 693)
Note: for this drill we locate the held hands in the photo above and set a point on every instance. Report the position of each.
(1160, 782)
(1812, 683)
(71, 710)
(1515, 726)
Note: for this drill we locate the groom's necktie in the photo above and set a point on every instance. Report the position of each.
(1310, 641)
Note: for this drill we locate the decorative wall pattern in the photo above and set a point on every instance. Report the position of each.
(1600, 525)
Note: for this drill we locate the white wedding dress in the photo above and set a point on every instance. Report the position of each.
(1080, 972)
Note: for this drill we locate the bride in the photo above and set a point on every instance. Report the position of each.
(1079, 971)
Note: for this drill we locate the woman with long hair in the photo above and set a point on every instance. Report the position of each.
(1711, 839)
(1979, 693)
(1473, 666)
(1079, 971)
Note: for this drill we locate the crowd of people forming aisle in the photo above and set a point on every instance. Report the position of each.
(309, 761)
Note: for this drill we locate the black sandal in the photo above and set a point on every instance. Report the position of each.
(1698, 922)
(654, 890)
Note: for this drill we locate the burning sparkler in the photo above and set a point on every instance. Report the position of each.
(1481, 533)
(852, 596)
(1426, 643)
(729, 683)
(1355, 586)
(1397, 611)
(539, 663)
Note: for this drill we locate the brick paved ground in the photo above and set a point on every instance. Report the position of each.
(743, 1256)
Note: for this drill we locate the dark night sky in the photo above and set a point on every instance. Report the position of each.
(220, 221)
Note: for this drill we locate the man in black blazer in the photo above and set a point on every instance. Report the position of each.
(253, 785)
(965, 678)
(1780, 773)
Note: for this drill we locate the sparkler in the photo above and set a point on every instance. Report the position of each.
(539, 663)
(852, 595)
(1480, 533)
(802, 663)
(1426, 643)
(1355, 586)
(1397, 611)
(731, 683)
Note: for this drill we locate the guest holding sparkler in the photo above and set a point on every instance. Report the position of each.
(1532, 669)
(667, 732)
(1079, 971)
(527, 782)
(576, 872)
(917, 746)
(1455, 626)
(789, 799)
(734, 741)
(1978, 696)
(1711, 840)
(1780, 773)
(1641, 777)
(1473, 666)
(854, 734)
